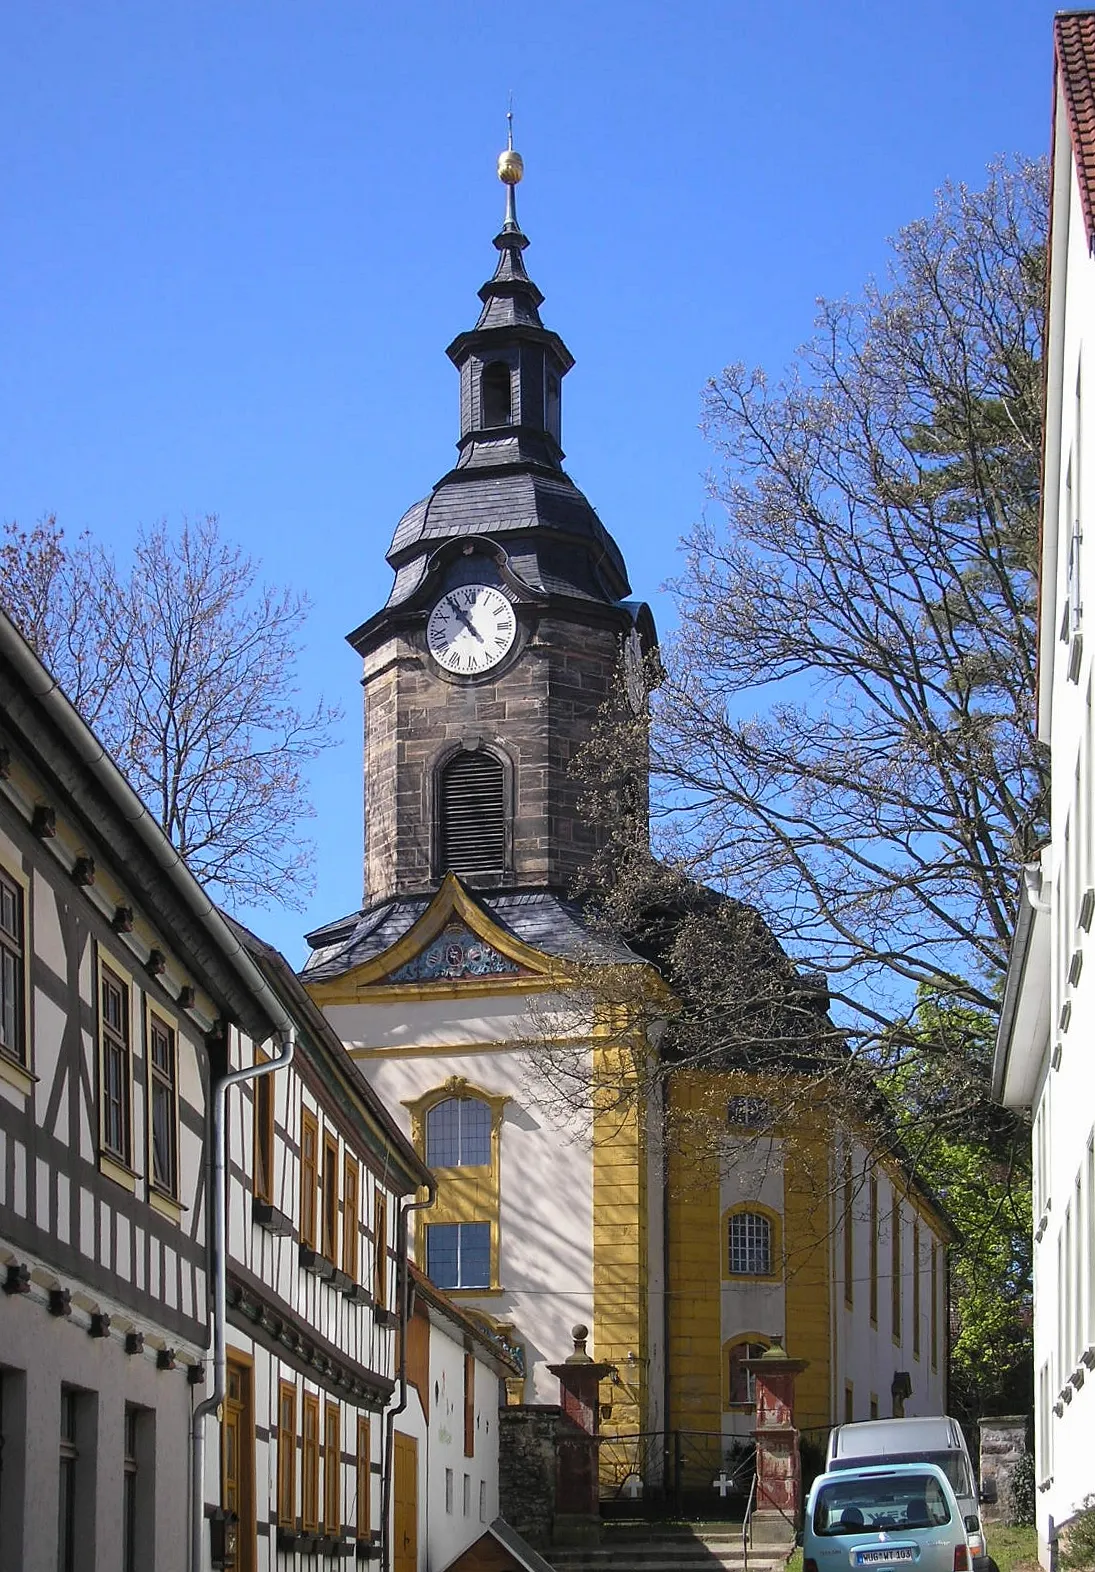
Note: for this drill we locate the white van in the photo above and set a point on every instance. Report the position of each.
(930, 1439)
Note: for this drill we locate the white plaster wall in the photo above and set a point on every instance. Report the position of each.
(451, 1532)
(546, 1181)
(1065, 1104)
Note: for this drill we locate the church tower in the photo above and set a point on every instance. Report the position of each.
(507, 626)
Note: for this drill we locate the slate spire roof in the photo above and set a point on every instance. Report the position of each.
(508, 483)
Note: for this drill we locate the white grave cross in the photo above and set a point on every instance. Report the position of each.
(723, 1485)
(634, 1486)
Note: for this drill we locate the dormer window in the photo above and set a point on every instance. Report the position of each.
(496, 393)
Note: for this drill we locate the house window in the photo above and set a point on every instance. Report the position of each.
(330, 1198)
(753, 1113)
(848, 1229)
(482, 1500)
(472, 799)
(874, 1252)
(469, 1405)
(448, 1490)
(163, 1083)
(916, 1288)
(349, 1218)
(496, 392)
(13, 1023)
(332, 1471)
(935, 1306)
(364, 1477)
(849, 1402)
(458, 1133)
(287, 1454)
(467, 1495)
(750, 1242)
(380, 1249)
(137, 1501)
(67, 1483)
(309, 1177)
(263, 1178)
(874, 1405)
(742, 1383)
(116, 1066)
(309, 1465)
(458, 1254)
(895, 1269)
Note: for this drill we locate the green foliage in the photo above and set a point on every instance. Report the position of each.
(1078, 1542)
(976, 1158)
(1019, 1508)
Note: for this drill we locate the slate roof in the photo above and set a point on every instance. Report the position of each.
(1074, 44)
(539, 918)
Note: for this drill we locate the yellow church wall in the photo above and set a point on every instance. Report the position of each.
(695, 1266)
(808, 1269)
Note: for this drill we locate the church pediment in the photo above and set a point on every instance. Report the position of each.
(455, 953)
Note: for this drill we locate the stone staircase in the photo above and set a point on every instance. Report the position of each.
(665, 1547)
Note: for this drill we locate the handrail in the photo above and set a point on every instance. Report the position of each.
(747, 1522)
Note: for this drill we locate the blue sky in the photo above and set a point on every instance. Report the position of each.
(238, 236)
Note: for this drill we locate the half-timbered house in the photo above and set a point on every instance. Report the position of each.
(115, 970)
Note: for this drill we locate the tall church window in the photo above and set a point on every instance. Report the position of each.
(458, 1133)
(750, 1245)
(473, 815)
(458, 1254)
(495, 390)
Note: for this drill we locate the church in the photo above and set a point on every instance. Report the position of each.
(508, 630)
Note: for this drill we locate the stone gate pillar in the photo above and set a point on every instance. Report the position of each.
(577, 1489)
(779, 1471)
(1003, 1446)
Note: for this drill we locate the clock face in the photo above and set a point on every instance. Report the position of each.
(634, 675)
(471, 629)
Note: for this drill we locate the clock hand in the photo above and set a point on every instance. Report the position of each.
(468, 623)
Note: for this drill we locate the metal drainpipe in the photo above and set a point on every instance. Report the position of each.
(390, 1417)
(212, 1404)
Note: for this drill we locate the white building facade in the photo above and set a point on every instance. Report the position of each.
(1043, 1057)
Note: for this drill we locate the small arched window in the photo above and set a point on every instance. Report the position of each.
(458, 1133)
(495, 391)
(750, 1245)
(472, 818)
(742, 1382)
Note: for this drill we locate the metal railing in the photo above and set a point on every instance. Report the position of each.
(747, 1523)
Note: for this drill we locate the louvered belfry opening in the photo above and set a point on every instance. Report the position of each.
(473, 815)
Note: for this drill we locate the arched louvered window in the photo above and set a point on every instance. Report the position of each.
(495, 390)
(473, 815)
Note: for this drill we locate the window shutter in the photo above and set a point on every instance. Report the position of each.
(473, 815)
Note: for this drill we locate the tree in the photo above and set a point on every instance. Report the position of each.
(845, 734)
(185, 666)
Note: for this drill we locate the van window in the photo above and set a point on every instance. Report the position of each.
(871, 1502)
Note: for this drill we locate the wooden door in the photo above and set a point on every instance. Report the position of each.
(238, 1458)
(406, 1504)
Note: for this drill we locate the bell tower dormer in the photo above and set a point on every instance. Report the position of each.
(505, 628)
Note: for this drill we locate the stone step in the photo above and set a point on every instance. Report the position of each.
(670, 1559)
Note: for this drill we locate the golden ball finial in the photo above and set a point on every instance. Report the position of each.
(511, 167)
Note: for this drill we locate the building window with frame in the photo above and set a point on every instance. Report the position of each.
(873, 1406)
(76, 1475)
(309, 1177)
(330, 1198)
(380, 1249)
(458, 1254)
(873, 1247)
(916, 1288)
(749, 1113)
(895, 1269)
(849, 1402)
(309, 1465)
(164, 1100)
(749, 1243)
(364, 1479)
(332, 1471)
(287, 1454)
(469, 1405)
(848, 1227)
(471, 792)
(741, 1386)
(262, 1179)
(13, 980)
(117, 1067)
(458, 1133)
(349, 1217)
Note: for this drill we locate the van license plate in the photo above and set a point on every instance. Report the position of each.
(884, 1557)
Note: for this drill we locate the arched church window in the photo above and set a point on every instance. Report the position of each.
(473, 815)
(458, 1133)
(495, 390)
(750, 1245)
